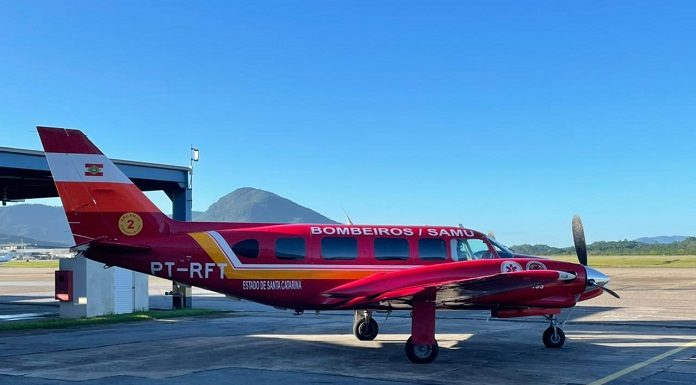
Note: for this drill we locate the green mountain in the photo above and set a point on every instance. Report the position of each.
(662, 239)
(29, 242)
(46, 225)
(253, 205)
(625, 247)
(42, 223)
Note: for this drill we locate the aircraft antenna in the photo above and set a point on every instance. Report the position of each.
(350, 221)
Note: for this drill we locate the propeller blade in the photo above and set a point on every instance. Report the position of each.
(579, 240)
(609, 291)
(612, 292)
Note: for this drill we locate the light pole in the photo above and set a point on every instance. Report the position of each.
(194, 158)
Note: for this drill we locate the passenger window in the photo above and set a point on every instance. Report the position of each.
(290, 248)
(391, 249)
(339, 248)
(248, 248)
(433, 249)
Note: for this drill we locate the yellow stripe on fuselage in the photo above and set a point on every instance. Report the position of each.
(213, 250)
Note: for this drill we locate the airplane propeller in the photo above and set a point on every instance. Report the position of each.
(591, 284)
(579, 240)
(595, 279)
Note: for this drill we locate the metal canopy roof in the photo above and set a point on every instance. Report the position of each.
(24, 174)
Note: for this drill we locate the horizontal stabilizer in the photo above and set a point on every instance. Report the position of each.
(102, 244)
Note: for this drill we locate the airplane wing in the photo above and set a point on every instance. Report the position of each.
(451, 292)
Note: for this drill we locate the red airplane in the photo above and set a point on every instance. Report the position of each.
(314, 266)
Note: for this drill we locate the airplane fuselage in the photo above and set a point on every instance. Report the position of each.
(291, 266)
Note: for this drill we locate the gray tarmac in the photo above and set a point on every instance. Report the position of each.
(647, 337)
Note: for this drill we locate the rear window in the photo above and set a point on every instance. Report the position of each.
(339, 248)
(248, 248)
(391, 248)
(432, 249)
(290, 248)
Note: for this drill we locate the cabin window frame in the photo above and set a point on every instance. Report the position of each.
(242, 252)
(430, 258)
(289, 257)
(353, 240)
(387, 257)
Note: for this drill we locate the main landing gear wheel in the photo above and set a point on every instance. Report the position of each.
(366, 329)
(421, 354)
(553, 337)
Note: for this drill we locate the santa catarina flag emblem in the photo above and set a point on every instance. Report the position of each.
(94, 169)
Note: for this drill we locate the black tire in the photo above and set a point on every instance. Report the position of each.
(366, 331)
(421, 354)
(553, 340)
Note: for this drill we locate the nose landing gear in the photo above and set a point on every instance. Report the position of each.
(553, 337)
(365, 328)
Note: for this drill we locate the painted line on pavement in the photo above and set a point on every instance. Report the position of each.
(645, 363)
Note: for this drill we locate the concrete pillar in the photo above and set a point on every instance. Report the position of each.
(182, 202)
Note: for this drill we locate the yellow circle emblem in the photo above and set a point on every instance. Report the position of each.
(130, 224)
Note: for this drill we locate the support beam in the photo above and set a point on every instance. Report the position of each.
(24, 174)
(182, 202)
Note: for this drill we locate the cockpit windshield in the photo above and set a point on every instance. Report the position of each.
(470, 249)
(502, 250)
(476, 248)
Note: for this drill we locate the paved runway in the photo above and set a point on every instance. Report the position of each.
(647, 337)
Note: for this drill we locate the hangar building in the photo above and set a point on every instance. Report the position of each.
(24, 174)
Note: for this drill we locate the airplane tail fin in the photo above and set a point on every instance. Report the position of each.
(99, 200)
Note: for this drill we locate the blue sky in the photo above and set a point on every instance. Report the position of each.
(504, 116)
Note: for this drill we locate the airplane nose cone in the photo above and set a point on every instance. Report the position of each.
(596, 276)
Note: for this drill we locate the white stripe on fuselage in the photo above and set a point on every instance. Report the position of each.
(234, 260)
(72, 168)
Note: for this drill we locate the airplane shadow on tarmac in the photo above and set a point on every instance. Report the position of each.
(508, 351)
(23, 299)
(22, 307)
(473, 348)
